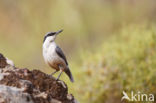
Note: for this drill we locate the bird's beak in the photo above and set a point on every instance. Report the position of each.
(59, 31)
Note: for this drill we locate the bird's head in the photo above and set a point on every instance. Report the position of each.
(50, 36)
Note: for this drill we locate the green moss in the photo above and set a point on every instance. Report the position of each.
(127, 61)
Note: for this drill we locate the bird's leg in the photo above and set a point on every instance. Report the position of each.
(54, 72)
(59, 75)
(61, 69)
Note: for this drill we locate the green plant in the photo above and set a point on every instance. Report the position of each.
(127, 61)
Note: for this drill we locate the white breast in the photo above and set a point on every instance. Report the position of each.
(49, 53)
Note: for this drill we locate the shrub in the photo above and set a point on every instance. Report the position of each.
(127, 61)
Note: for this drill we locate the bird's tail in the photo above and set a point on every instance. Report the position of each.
(68, 72)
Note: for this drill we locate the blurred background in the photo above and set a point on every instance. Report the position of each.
(110, 44)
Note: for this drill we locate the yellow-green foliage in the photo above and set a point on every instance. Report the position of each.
(126, 61)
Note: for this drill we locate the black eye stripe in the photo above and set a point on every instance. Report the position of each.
(49, 34)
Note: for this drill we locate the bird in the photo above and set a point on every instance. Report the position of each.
(54, 56)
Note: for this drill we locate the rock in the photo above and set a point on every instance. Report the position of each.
(3, 62)
(19, 85)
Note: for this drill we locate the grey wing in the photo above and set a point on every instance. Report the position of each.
(61, 54)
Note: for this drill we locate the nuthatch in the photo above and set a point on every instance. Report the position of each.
(54, 56)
